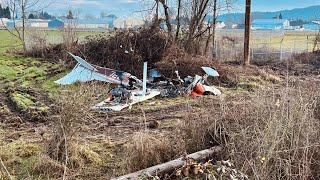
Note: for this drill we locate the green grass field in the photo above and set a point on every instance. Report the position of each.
(295, 40)
(19, 71)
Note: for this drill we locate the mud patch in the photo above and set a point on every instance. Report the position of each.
(32, 106)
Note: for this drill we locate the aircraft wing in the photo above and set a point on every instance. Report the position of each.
(85, 72)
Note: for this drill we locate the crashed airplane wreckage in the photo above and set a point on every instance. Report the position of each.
(132, 90)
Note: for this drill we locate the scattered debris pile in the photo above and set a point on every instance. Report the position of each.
(128, 50)
(132, 90)
(186, 64)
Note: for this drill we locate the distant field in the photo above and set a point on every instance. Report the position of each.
(292, 41)
(52, 36)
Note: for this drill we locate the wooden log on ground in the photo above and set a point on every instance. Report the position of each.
(171, 166)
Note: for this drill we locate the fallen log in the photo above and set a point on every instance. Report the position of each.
(171, 166)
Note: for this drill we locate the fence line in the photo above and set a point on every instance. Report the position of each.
(281, 50)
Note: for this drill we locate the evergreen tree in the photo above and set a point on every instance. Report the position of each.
(46, 15)
(31, 16)
(1, 11)
(41, 15)
(70, 15)
(8, 13)
(280, 16)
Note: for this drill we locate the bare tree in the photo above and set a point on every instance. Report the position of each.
(219, 5)
(20, 8)
(167, 15)
(178, 20)
(247, 33)
(214, 26)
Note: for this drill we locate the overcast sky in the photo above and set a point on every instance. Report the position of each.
(126, 7)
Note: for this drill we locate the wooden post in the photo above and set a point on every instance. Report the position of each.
(281, 57)
(307, 43)
(247, 33)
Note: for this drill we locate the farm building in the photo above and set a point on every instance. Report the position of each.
(231, 25)
(103, 23)
(127, 23)
(16, 23)
(56, 23)
(297, 24)
(31, 23)
(3, 22)
(37, 23)
(270, 24)
(220, 25)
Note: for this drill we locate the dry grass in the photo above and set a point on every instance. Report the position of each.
(274, 134)
(150, 149)
(269, 134)
(72, 114)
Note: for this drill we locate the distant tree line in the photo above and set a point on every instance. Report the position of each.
(5, 12)
(42, 15)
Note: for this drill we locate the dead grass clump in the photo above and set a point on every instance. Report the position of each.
(73, 112)
(202, 130)
(79, 156)
(150, 149)
(48, 167)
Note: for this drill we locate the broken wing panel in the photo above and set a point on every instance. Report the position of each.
(82, 74)
(83, 62)
(210, 71)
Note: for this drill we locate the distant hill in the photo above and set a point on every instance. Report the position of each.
(306, 14)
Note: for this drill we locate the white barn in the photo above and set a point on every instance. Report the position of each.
(123, 23)
(87, 23)
(220, 25)
(37, 23)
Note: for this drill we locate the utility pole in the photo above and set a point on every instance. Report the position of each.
(247, 33)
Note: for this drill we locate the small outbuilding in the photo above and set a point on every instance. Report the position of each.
(129, 22)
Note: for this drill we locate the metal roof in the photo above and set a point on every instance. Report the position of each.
(268, 21)
(89, 21)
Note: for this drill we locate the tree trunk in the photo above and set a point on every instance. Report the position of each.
(157, 12)
(247, 33)
(169, 167)
(178, 20)
(167, 14)
(207, 43)
(23, 11)
(214, 27)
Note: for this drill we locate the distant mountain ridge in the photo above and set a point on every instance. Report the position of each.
(306, 14)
